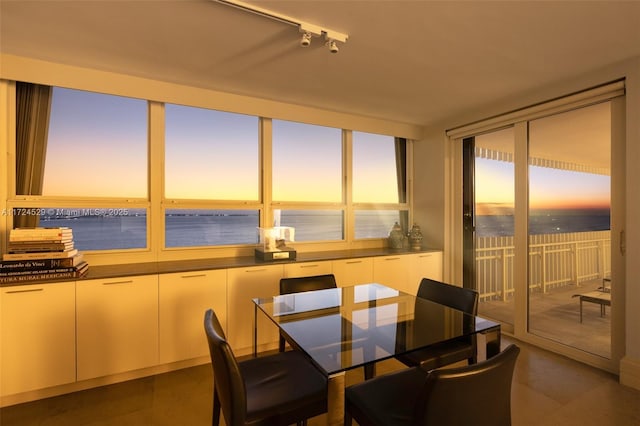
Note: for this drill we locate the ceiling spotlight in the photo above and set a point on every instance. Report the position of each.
(307, 29)
(306, 39)
(333, 46)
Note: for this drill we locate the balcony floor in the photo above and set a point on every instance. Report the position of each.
(556, 316)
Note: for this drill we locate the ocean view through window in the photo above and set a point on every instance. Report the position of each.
(100, 228)
(103, 231)
(108, 229)
(576, 212)
(546, 221)
(215, 176)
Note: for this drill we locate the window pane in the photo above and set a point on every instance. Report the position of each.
(195, 228)
(210, 154)
(314, 225)
(570, 241)
(96, 145)
(563, 201)
(95, 228)
(494, 186)
(307, 162)
(378, 223)
(376, 178)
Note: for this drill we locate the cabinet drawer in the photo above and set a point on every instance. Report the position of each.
(350, 272)
(393, 271)
(306, 269)
(243, 285)
(37, 329)
(117, 322)
(183, 299)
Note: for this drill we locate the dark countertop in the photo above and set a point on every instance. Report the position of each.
(166, 267)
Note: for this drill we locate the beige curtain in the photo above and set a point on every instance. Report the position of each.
(33, 107)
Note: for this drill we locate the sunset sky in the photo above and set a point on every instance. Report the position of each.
(549, 188)
(97, 146)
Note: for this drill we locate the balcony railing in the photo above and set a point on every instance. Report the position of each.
(555, 260)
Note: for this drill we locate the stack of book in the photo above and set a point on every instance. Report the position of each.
(37, 254)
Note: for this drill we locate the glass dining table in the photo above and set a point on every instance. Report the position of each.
(340, 329)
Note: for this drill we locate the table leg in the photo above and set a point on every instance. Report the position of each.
(580, 310)
(255, 330)
(335, 399)
(492, 338)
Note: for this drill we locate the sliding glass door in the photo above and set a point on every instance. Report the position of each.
(569, 226)
(541, 226)
(491, 159)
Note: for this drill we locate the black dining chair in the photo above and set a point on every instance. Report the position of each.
(462, 299)
(478, 394)
(300, 284)
(273, 390)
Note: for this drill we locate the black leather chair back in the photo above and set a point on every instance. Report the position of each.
(478, 394)
(229, 385)
(300, 284)
(460, 298)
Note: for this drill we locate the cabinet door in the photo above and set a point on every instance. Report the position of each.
(426, 265)
(117, 323)
(243, 285)
(350, 272)
(183, 299)
(38, 327)
(393, 271)
(306, 269)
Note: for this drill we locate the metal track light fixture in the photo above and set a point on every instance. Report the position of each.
(308, 30)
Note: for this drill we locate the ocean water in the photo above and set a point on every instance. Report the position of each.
(195, 228)
(226, 227)
(546, 222)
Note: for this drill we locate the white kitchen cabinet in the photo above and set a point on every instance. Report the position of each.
(350, 272)
(425, 265)
(38, 327)
(117, 325)
(243, 285)
(393, 271)
(183, 299)
(306, 269)
(56, 333)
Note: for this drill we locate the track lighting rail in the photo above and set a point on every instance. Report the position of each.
(307, 29)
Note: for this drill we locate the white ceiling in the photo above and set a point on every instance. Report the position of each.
(410, 61)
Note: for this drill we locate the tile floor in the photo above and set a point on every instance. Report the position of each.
(556, 316)
(548, 389)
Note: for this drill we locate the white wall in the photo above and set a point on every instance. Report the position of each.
(428, 187)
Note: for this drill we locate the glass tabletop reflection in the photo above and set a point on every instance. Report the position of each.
(348, 327)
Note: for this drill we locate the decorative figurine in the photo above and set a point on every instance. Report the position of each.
(415, 237)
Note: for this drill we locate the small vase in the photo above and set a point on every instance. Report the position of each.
(396, 237)
(415, 238)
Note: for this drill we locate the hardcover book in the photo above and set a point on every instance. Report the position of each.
(41, 234)
(39, 277)
(43, 255)
(39, 246)
(31, 264)
(44, 274)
